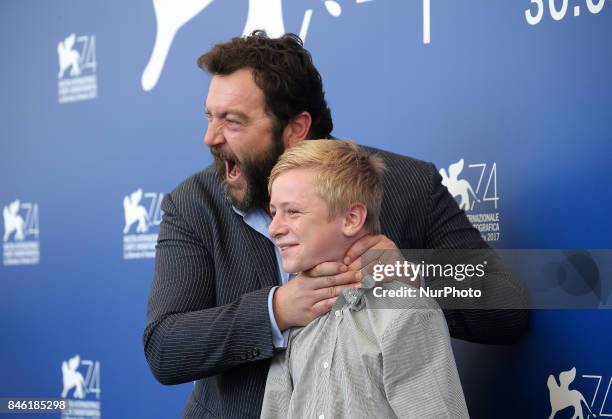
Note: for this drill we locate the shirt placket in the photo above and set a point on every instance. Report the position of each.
(327, 364)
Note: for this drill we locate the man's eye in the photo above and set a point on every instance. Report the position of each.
(292, 211)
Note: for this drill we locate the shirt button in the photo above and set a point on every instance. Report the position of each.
(337, 313)
(325, 365)
(321, 416)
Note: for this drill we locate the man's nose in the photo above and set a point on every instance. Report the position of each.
(214, 135)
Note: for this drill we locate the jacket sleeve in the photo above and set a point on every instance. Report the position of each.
(187, 337)
(419, 373)
(502, 316)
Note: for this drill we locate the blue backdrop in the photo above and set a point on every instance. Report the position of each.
(97, 126)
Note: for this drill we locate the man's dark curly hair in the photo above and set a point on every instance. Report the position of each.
(283, 70)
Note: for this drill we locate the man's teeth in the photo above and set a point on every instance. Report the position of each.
(232, 169)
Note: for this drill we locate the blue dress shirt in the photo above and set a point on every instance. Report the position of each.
(259, 220)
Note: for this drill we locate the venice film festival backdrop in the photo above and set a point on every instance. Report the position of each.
(102, 114)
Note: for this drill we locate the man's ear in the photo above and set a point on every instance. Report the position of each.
(297, 129)
(354, 219)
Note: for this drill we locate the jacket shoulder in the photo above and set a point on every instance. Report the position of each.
(408, 185)
(201, 188)
(200, 202)
(410, 168)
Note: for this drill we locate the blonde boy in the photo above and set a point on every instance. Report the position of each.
(361, 360)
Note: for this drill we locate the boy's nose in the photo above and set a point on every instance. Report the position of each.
(277, 228)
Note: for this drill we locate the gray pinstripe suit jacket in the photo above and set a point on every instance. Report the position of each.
(207, 317)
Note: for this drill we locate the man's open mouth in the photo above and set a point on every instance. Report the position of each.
(232, 171)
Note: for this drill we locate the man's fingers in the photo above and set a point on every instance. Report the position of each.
(368, 259)
(360, 256)
(366, 250)
(360, 247)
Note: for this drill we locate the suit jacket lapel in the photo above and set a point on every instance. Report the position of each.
(262, 256)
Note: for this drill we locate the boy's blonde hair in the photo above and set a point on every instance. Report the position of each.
(345, 174)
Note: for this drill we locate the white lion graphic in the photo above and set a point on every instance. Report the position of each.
(172, 15)
(73, 378)
(68, 57)
(561, 396)
(135, 212)
(13, 222)
(457, 186)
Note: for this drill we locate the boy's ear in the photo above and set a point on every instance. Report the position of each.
(354, 219)
(297, 129)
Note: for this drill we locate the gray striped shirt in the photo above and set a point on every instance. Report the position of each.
(370, 357)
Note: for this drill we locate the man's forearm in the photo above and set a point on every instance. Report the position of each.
(182, 347)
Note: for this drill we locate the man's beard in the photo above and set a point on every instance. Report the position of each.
(255, 171)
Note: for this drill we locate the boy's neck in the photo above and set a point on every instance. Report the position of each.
(351, 241)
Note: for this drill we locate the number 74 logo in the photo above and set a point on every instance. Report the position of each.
(469, 196)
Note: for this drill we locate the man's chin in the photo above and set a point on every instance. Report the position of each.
(235, 192)
(242, 199)
(236, 197)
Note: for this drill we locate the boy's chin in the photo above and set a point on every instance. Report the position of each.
(292, 268)
(296, 268)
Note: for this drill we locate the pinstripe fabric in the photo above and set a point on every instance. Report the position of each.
(367, 360)
(207, 316)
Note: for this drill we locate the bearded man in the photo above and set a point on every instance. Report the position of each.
(220, 303)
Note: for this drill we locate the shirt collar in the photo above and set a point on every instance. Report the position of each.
(246, 214)
(257, 218)
(353, 297)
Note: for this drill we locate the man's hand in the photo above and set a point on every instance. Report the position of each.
(369, 249)
(312, 293)
(373, 250)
